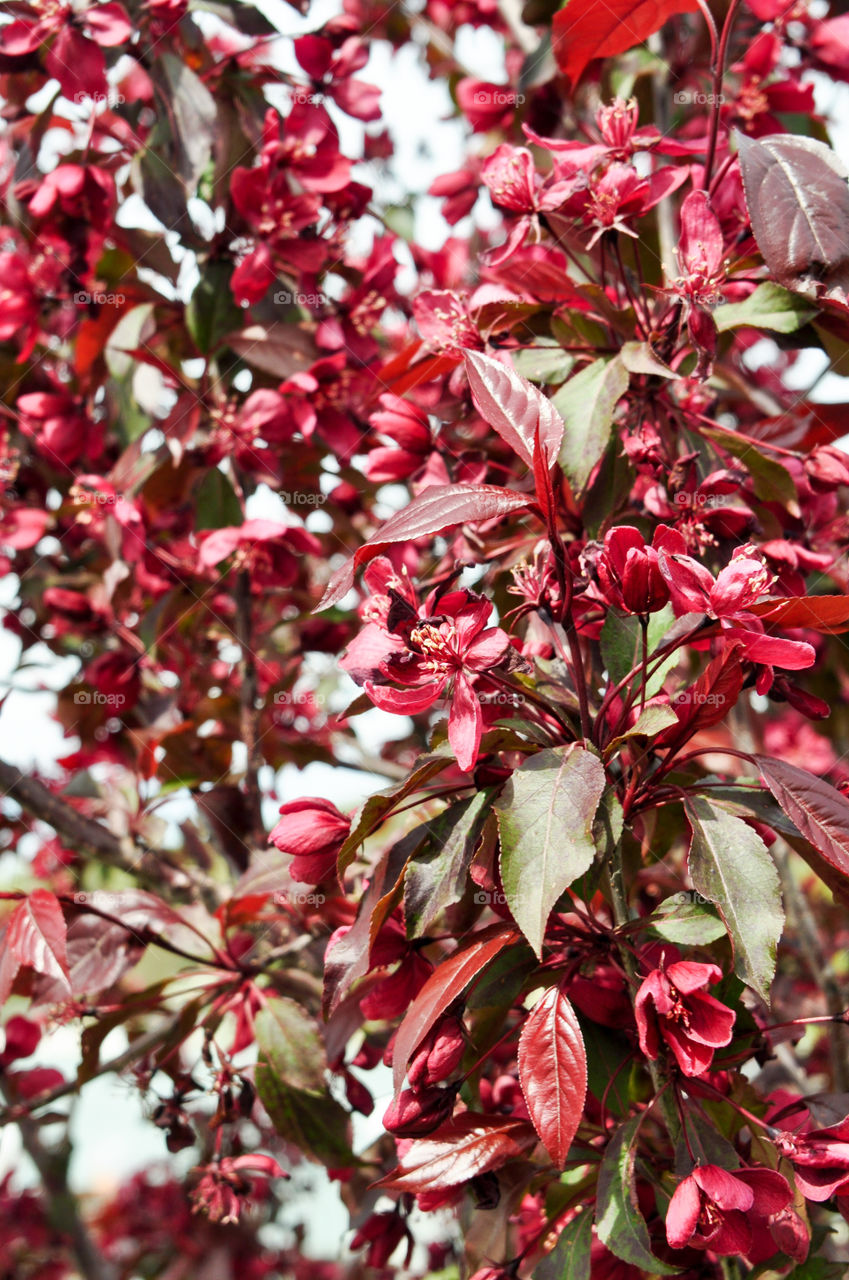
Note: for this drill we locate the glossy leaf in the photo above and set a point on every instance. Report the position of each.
(545, 817)
(433, 511)
(587, 403)
(798, 199)
(514, 408)
(36, 935)
(828, 614)
(553, 1072)
(439, 876)
(584, 30)
(460, 1150)
(570, 1257)
(731, 866)
(817, 808)
(443, 987)
(768, 307)
(619, 1222)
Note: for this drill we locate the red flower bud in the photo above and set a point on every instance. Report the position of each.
(313, 830)
(629, 572)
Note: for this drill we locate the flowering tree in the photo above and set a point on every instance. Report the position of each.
(541, 496)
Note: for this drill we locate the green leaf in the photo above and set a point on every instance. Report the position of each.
(372, 812)
(769, 307)
(290, 1084)
(621, 644)
(586, 404)
(545, 817)
(649, 723)
(638, 357)
(570, 1257)
(543, 363)
(211, 312)
(731, 866)
(216, 504)
(606, 1053)
(620, 1224)
(770, 480)
(439, 877)
(680, 919)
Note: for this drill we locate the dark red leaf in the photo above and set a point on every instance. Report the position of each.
(798, 198)
(829, 614)
(36, 935)
(553, 1072)
(464, 1148)
(514, 408)
(816, 807)
(433, 511)
(584, 29)
(443, 987)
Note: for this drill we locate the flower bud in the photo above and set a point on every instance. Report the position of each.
(313, 830)
(629, 572)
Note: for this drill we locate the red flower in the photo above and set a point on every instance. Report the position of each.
(332, 70)
(452, 648)
(820, 1159)
(75, 58)
(444, 321)
(672, 1005)
(728, 598)
(716, 1209)
(313, 830)
(60, 425)
(223, 1184)
(409, 428)
(629, 572)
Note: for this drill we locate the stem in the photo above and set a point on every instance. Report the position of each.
(621, 914)
(718, 74)
(248, 715)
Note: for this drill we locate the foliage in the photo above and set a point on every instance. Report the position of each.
(538, 494)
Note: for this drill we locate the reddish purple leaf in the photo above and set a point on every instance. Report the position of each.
(584, 29)
(828, 614)
(36, 936)
(514, 408)
(464, 1148)
(798, 199)
(553, 1072)
(819, 811)
(433, 511)
(444, 986)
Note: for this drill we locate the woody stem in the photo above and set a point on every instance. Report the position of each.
(622, 916)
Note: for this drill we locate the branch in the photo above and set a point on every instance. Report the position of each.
(64, 1212)
(86, 835)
